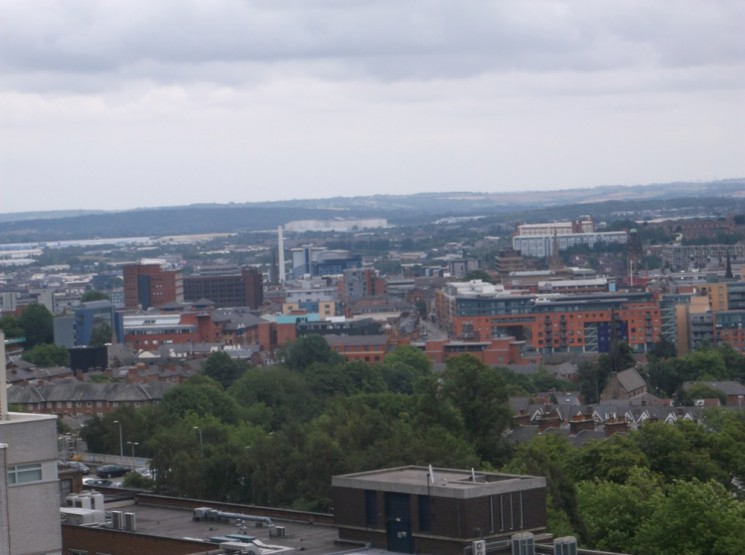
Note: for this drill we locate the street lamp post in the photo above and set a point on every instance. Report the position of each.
(121, 441)
(132, 444)
(201, 441)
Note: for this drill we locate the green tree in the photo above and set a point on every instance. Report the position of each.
(411, 356)
(11, 326)
(693, 517)
(402, 368)
(478, 274)
(202, 396)
(223, 369)
(94, 295)
(703, 391)
(610, 460)
(679, 451)
(101, 334)
(365, 378)
(552, 456)
(664, 348)
(591, 380)
(480, 396)
(664, 376)
(612, 512)
(37, 324)
(309, 349)
(726, 435)
(47, 355)
(273, 397)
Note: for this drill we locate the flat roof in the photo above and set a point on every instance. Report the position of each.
(442, 482)
(313, 539)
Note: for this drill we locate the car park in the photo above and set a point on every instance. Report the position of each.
(111, 471)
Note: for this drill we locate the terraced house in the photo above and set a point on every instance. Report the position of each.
(85, 399)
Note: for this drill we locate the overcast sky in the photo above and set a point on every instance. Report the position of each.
(119, 104)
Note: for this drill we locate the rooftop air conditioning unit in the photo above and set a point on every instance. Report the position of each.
(130, 522)
(523, 544)
(117, 520)
(479, 547)
(565, 546)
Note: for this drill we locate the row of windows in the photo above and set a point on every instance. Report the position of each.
(160, 331)
(89, 404)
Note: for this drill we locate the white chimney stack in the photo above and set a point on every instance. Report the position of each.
(281, 248)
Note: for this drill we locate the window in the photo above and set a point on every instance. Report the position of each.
(371, 508)
(425, 519)
(23, 473)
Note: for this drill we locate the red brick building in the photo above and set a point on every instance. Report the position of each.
(497, 352)
(550, 323)
(149, 331)
(366, 348)
(148, 285)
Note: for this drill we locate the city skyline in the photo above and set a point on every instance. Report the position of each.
(134, 104)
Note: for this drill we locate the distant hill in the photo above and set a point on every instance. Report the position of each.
(608, 202)
(46, 215)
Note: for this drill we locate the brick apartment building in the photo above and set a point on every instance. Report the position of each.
(366, 348)
(501, 351)
(477, 311)
(150, 285)
(227, 287)
(148, 331)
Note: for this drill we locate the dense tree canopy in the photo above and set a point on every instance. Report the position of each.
(101, 334)
(37, 324)
(47, 355)
(11, 326)
(223, 369)
(94, 295)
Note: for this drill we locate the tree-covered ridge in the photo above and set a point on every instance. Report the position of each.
(276, 436)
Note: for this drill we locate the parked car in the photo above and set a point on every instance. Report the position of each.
(111, 471)
(80, 467)
(74, 465)
(144, 471)
(98, 482)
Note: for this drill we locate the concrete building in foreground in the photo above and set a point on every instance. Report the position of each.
(414, 509)
(29, 515)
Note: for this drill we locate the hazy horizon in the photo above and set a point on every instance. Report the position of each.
(136, 104)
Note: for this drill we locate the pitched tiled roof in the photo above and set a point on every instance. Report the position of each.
(84, 392)
(630, 379)
(31, 373)
(726, 387)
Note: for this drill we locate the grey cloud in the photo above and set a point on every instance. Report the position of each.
(378, 39)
